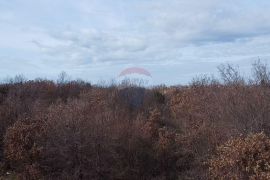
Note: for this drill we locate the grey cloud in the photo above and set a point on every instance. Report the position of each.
(88, 46)
(209, 21)
(165, 29)
(173, 33)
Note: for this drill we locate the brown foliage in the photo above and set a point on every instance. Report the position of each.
(242, 158)
(72, 130)
(22, 149)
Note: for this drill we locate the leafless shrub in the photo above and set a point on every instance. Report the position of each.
(230, 74)
(261, 73)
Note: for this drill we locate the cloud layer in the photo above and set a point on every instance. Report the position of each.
(95, 39)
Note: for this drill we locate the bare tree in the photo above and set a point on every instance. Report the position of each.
(230, 74)
(63, 78)
(261, 73)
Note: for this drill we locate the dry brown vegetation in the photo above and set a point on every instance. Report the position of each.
(242, 158)
(210, 129)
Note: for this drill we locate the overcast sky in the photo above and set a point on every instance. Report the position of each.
(94, 40)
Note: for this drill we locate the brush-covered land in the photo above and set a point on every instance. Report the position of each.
(213, 128)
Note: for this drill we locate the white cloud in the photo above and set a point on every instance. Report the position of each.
(86, 34)
(207, 21)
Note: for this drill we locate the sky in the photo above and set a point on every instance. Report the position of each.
(94, 40)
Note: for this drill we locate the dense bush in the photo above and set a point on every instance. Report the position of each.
(69, 144)
(242, 158)
(73, 130)
(22, 150)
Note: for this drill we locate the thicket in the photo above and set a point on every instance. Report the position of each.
(213, 128)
